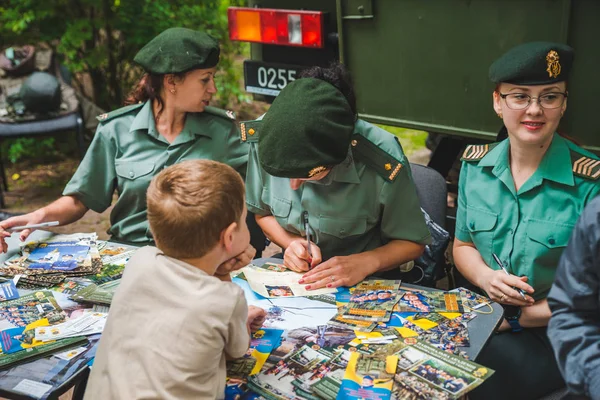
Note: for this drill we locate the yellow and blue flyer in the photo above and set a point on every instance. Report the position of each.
(368, 377)
(263, 342)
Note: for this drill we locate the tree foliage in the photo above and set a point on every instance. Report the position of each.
(101, 37)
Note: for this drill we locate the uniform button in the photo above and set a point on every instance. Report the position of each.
(510, 231)
(131, 174)
(472, 225)
(342, 231)
(551, 241)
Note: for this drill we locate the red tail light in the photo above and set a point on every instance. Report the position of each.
(274, 26)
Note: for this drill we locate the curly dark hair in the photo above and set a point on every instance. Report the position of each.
(337, 75)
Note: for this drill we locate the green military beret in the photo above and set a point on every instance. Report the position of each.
(535, 63)
(178, 50)
(306, 130)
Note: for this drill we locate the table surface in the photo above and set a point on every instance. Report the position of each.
(80, 373)
(480, 329)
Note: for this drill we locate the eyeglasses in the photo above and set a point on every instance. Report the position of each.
(520, 101)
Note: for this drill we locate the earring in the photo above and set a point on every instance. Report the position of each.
(499, 115)
(172, 91)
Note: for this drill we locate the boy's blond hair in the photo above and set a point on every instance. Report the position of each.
(191, 203)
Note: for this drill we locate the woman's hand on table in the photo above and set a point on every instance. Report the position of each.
(237, 262)
(256, 318)
(499, 287)
(338, 271)
(297, 258)
(20, 220)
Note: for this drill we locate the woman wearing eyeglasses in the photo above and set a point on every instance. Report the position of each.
(518, 203)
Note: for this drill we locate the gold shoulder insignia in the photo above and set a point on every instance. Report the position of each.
(586, 167)
(249, 130)
(475, 152)
(368, 152)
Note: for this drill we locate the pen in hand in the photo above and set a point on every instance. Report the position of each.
(521, 292)
(307, 230)
(32, 226)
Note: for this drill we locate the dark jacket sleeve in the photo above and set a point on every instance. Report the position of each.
(574, 328)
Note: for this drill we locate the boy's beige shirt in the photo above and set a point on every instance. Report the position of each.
(169, 328)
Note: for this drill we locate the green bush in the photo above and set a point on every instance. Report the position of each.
(101, 37)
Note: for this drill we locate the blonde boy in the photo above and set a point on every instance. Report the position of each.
(172, 323)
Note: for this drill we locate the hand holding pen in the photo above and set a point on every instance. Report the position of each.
(302, 254)
(307, 230)
(503, 297)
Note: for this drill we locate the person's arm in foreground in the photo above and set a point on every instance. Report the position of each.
(574, 329)
(65, 210)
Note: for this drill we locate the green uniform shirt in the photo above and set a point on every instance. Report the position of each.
(127, 151)
(352, 210)
(528, 229)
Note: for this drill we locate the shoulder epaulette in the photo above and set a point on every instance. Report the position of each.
(584, 166)
(228, 114)
(368, 152)
(475, 152)
(249, 130)
(119, 111)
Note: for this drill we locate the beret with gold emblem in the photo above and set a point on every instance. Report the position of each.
(307, 130)
(178, 50)
(534, 63)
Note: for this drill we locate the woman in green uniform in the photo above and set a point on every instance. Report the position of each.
(314, 166)
(168, 121)
(519, 200)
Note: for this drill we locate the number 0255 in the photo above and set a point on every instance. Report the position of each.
(275, 78)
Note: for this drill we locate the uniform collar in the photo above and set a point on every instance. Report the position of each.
(144, 120)
(555, 165)
(346, 170)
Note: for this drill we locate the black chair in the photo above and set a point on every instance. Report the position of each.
(432, 192)
(70, 122)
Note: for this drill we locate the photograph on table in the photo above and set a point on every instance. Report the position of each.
(279, 291)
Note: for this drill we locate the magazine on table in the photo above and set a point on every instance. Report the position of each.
(30, 308)
(368, 377)
(262, 343)
(97, 294)
(8, 290)
(471, 300)
(39, 377)
(433, 301)
(372, 300)
(428, 372)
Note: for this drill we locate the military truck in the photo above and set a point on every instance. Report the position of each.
(422, 64)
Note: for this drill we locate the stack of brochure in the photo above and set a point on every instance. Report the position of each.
(47, 263)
